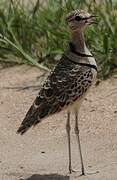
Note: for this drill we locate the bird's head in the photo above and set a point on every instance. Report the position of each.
(79, 19)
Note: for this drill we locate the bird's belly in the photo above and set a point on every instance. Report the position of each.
(76, 104)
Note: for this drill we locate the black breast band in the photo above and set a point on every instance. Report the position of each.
(73, 49)
(82, 64)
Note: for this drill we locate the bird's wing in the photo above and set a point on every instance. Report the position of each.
(62, 87)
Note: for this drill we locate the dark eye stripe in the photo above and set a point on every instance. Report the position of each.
(78, 18)
(86, 18)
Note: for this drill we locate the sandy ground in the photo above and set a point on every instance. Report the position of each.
(42, 154)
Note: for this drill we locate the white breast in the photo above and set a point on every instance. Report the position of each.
(91, 61)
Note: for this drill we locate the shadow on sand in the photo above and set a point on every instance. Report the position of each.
(47, 177)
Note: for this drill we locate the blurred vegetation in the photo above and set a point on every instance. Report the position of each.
(35, 33)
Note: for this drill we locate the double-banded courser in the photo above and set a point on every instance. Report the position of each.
(69, 82)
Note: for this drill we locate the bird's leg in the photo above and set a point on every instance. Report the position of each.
(78, 140)
(79, 146)
(68, 129)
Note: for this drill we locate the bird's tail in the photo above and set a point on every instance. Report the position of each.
(30, 119)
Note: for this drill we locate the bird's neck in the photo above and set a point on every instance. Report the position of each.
(77, 39)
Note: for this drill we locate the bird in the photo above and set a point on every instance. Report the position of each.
(68, 83)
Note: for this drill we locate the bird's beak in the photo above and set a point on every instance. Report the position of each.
(92, 20)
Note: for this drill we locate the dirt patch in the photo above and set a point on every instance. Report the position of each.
(42, 154)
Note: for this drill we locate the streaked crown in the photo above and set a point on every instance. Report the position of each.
(78, 19)
(73, 15)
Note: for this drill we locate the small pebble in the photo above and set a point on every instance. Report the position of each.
(92, 110)
(42, 152)
(21, 167)
(89, 166)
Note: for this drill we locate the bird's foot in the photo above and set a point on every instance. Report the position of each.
(73, 171)
(90, 173)
(83, 173)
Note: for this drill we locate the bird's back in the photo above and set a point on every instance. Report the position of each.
(65, 85)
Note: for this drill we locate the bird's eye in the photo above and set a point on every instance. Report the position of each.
(78, 18)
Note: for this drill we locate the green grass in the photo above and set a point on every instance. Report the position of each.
(36, 34)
